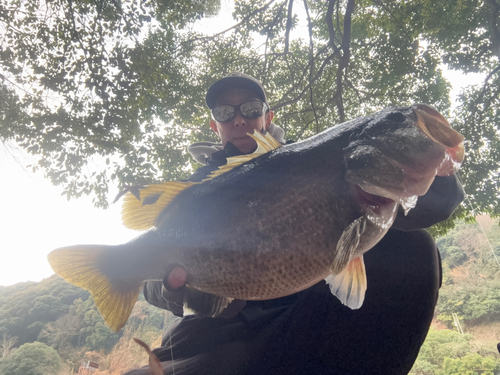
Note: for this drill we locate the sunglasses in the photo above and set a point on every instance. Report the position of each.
(249, 110)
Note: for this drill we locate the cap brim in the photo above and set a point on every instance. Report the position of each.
(226, 83)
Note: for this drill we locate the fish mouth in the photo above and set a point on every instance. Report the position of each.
(374, 203)
(437, 128)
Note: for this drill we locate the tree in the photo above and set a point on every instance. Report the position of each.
(31, 359)
(6, 345)
(63, 332)
(472, 363)
(438, 345)
(94, 334)
(26, 308)
(125, 80)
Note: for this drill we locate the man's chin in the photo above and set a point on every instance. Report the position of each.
(246, 145)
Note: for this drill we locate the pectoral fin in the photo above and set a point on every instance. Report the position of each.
(350, 285)
(81, 266)
(204, 304)
(347, 245)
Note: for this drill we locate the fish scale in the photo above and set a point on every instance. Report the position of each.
(275, 222)
(296, 229)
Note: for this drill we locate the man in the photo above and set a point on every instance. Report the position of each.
(310, 332)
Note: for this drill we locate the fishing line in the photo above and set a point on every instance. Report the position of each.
(170, 341)
(473, 211)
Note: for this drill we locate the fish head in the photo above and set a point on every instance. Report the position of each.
(397, 154)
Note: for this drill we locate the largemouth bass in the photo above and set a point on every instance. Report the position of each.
(275, 222)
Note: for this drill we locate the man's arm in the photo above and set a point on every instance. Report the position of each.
(157, 295)
(443, 197)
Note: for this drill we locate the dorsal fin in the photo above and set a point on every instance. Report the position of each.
(141, 214)
(265, 143)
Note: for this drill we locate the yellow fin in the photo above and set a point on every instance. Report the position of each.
(349, 286)
(265, 143)
(78, 266)
(142, 214)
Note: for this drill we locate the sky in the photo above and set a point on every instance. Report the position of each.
(35, 218)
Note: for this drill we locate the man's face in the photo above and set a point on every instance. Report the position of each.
(235, 131)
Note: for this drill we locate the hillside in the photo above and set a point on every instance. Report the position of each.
(51, 327)
(464, 336)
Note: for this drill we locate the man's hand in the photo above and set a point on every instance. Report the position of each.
(175, 280)
(174, 287)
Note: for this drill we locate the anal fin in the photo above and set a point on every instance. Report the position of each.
(349, 286)
(204, 304)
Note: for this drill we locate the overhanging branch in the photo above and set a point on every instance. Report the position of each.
(329, 22)
(344, 58)
(288, 25)
(245, 19)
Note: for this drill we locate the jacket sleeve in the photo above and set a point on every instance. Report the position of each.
(443, 197)
(153, 293)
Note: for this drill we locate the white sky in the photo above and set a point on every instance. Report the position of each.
(35, 218)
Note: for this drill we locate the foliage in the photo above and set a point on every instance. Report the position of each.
(466, 245)
(475, 305)
(108, 92)
(472, 364)
(471, 285)
(26, 308)
(471, 291)
(71, 326)
(31, 359)
(447, 352)
(93, 332)
(438, 345)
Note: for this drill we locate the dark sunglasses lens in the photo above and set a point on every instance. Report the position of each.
(252, 110)
(223, 113)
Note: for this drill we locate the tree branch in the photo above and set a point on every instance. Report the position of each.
(252, 14)
(275, 20)
(311, 59)
(318, 74)
(344, 59)
(329, 22)
(288, 25)
(494, 16)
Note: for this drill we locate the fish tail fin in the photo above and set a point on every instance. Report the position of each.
(204, 304)
(349, 286)
(84, 266)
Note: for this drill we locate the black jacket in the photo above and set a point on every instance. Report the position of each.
(311, 332)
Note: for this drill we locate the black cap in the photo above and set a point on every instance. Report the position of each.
(234, 80)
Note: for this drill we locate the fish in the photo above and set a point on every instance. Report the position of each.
(274, 222)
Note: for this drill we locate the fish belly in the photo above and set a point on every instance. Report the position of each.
(261, 276)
